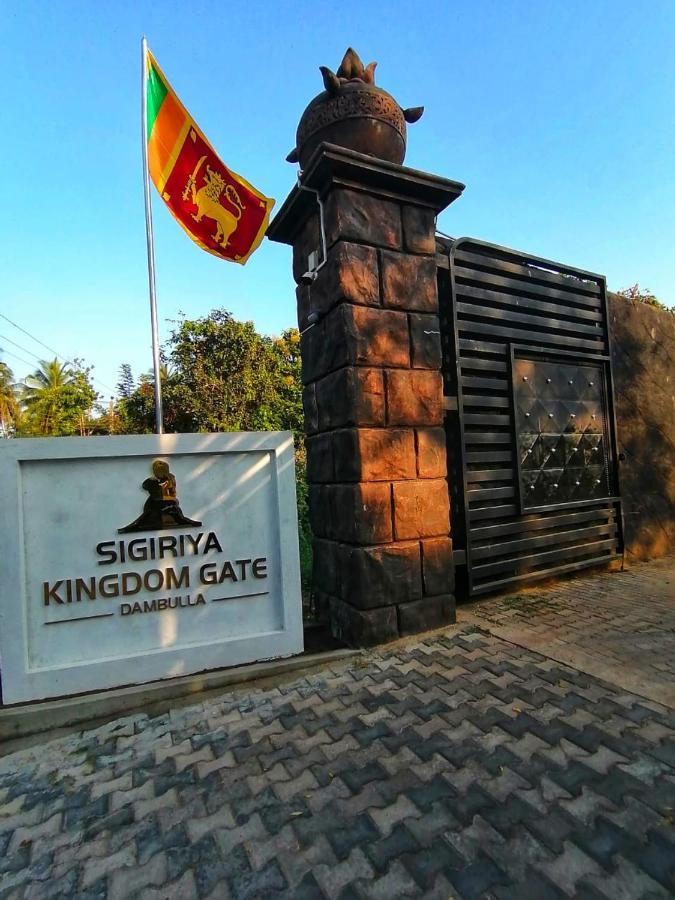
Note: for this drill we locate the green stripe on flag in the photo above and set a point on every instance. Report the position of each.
(156, 92)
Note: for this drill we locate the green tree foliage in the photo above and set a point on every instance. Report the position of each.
(57, 399)
(304, 527)
(640, 295)
(220, 375)
(9, 404)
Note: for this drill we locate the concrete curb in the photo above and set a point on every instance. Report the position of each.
(41, 717)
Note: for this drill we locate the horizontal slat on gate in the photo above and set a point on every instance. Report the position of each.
(487, 437)
(537, 290)
(525, 304)
(485, 384)
(485, 400)
(535, 574)
(486, 419)
(500, 297)
(535, 337)
(533, 319)
(473, 346)
(480, 513)
(476, 476)
(486, 456)
(525, 562)
(481, 495)
(509, 548)
(533, 273)
(478, 363)
(529, 524)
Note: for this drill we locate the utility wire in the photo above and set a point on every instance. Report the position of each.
(25, 349)
(16, 356)
(31, 336)
(47, 347)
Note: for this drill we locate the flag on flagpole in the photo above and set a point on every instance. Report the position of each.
(219, 210)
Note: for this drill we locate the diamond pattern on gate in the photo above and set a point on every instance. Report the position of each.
(561, 432)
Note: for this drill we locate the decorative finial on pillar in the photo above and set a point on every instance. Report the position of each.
(353, 112)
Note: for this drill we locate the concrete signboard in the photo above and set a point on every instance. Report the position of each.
(131, 559)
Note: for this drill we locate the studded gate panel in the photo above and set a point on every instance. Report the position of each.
(532, 444)
(561, 434)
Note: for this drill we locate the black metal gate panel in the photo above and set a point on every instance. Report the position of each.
(532, 443)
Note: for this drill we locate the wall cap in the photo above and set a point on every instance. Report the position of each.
(332, 166)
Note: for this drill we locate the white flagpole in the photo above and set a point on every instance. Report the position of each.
(150, 240)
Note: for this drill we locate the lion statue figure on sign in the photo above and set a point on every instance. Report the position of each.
(207, 201)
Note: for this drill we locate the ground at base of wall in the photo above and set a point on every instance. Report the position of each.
(458, 764)
(616, 625)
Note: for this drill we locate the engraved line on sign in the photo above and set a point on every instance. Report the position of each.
(80, 619)
(239, 596)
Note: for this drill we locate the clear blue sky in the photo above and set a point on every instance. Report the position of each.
(557, 116)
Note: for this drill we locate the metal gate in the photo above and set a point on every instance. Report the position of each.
(530, 424)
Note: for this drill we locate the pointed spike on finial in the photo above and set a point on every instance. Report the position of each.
(330, 80)
(351, 65)
(369, 73)
(413, 114)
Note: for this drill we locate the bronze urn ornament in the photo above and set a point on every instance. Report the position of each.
(353, 112)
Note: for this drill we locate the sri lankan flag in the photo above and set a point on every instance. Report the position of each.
(219, 209)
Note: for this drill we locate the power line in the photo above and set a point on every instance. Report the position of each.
(47, 347)
(16, 356)
(20, 358)
(31, 336)
(25, 349)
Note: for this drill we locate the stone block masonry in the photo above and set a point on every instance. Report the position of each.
(373, 394)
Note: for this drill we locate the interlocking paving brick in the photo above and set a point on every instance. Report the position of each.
(570, 867)
(387, 819)
(656, 857)
(477, 878)
(455, 765)
(586, 806)
(336, 789)
(203, 859)
(98, 867)
(183, 888)
(284, 847)
(426, 863)
(537, 886)
(333, 879)
(303, 784)
(397, 882)
(397, 842)
(370, 798)
(625, 882)
(126, 882)
(250, 885)
(618, 626)
(197, 828)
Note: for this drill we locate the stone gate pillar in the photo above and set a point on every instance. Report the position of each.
(373, 393)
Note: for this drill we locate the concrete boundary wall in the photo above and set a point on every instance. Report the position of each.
(643, 356)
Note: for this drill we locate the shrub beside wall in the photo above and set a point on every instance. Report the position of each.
(643, 354)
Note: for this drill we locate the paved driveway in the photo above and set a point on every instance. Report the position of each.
(460, 765)
(618, 626)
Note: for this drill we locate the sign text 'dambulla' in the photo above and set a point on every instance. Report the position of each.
(148, 557)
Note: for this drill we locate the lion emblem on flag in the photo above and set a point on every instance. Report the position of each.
(207, 200)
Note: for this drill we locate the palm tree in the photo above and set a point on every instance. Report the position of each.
(166, 373)
(40, 392)
(9, 406)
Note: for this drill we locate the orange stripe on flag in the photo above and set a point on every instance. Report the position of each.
(165, 132)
